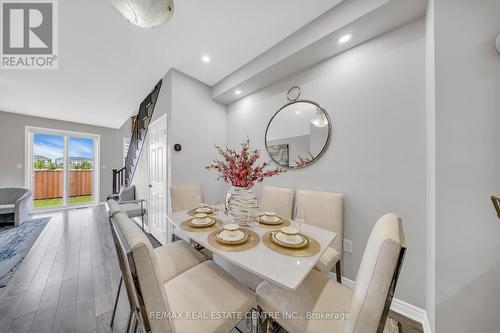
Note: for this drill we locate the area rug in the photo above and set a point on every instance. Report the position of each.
(15, 243)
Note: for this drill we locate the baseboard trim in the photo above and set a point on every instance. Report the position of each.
(406, 309)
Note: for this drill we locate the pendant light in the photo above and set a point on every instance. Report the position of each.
(145, 13)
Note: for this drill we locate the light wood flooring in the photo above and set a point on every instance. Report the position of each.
(68, 281)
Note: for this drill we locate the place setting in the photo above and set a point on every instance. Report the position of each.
(290, 241)
(271, 220)
(233, 238)
(202, 209)
(201, 222)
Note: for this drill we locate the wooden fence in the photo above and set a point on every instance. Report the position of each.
(49, 183)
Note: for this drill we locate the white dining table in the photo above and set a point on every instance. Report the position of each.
(284, 270)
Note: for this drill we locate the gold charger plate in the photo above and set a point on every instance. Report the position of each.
(253, 240)
(283, 223)
(185, 226)
(312, 249)
(193, 212)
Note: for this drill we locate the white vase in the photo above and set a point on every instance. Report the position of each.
(242, 204)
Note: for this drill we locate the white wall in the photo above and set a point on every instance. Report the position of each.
(468, 165)
(375, 95)
(197, 122)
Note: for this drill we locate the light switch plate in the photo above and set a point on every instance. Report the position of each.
(347, 246)
(19, 166)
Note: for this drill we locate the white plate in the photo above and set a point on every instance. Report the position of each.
(233, 236)
(204, 221)
(270, 219)
(203, 210)
(288, 239)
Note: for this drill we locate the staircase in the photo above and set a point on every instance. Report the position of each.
(123, 176)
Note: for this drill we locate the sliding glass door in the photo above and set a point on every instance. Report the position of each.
(62, 168)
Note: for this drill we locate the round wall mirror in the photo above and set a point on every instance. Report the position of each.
(298, 134)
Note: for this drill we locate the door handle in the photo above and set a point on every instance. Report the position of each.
(150, 185)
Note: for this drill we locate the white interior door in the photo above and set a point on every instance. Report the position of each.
(157, 212)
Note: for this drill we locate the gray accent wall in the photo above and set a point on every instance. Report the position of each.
(375, 95)
(12, 147)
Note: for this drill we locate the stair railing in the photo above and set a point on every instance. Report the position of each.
(123, 176)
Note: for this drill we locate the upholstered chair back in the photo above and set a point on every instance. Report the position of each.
(10, 195)
(278, 200)
(127, 193)
(185, 197)
(324, 210)
(147, 270)
(375, 275)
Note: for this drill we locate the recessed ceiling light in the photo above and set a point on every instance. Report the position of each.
(237, 92)
(345, 38)
(297, 112)
(205, 59)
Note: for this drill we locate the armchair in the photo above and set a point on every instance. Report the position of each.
(15, 200)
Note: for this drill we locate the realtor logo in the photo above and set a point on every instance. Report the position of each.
(29, 34)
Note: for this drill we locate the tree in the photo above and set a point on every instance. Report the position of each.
(39, 164)
(50, 165)
(86, 165)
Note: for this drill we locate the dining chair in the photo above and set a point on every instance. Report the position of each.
(324, 210)
(278, 200)
(176, 257)
(162, 302)
(184, 197)
(362, 309)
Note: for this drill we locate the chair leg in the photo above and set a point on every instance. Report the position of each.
(259, 325)
(135, 325)
(338, 272)
(142, 216)
(116, 301)
(129, 321)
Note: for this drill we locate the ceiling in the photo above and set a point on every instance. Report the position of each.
(107, 65)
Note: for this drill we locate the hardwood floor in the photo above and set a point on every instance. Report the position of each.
(68, 280)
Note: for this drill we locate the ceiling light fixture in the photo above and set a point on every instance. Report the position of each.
(145, 13)
(237, 92)
(205, 59)
(345, 38)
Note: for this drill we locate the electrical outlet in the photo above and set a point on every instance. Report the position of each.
(19, 166)
(347, 246)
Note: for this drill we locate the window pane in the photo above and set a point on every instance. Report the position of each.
(48, 151)
(81, 170)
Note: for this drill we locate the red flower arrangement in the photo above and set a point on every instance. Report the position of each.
(241, 169)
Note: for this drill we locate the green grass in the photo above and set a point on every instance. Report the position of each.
(48, 202)
(59, 201)
(82, 199)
